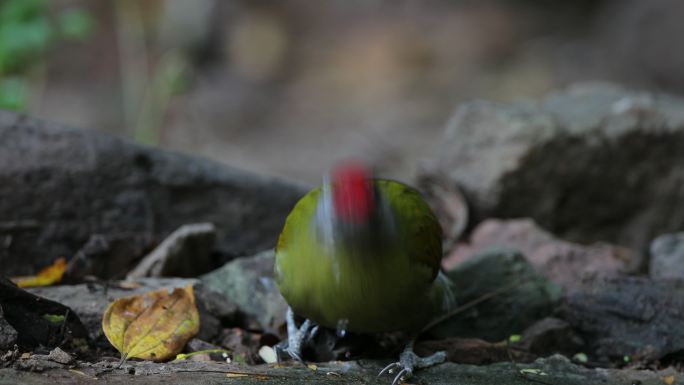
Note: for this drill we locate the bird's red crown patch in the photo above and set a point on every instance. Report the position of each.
(353, 198)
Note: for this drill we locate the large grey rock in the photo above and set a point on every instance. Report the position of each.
(523, 297)
(249, 283)
(107, 255)
(8, 335)
(628, 316)
(184, 253)
(39, 321)
(89, 301)
(562, 262)
(593, 162)
(59, 186)
(667, 257)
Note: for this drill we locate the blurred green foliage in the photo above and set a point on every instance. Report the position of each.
(27, 30)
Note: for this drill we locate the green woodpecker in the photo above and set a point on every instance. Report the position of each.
(362, 255)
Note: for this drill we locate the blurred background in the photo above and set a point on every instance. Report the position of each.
(287, 88)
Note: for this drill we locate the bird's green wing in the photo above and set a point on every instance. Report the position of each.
(423, 238)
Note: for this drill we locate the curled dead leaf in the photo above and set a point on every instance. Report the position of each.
(153, 326)
(46, 277)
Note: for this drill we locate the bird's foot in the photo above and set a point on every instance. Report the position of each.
(409, 362)
(296, 337)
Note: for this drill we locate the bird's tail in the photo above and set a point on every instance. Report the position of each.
(447, 288)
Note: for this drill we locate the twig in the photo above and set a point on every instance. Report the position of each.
(469, 305)
(62, 329)
(124, 356)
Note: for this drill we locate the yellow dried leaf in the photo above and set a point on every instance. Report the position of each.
(46, 277)
(153, 326)
(669, 380)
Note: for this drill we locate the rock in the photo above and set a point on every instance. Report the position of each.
(59, 186)
(248, 282)
(205, 351)
(473, 351)
(549, 336)
(628, 316)
(562, 262)
(667, 257)
(242, 343)
(544, 338)
(60, 356)
(90, 301)
(592, 163)
(198, 345)
(107, 255)
(9, 356)
(33, 318)
(184, 253)
(37, 363)
(555, 370)
(523, 297)
(215, 311)
(8, 335)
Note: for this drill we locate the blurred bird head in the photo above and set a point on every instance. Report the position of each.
(353, 195)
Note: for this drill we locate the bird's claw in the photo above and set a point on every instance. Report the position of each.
(297, 337)
(389, 368)
(404, 373)
(402, 376)
(408, 362)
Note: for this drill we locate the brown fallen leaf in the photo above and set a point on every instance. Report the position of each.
(669, 380)
(236, 375)
(153, 326)
(46, 277)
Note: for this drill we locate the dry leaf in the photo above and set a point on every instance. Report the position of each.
(669, 380)
(152, 326)
(236, 375)
(46, 277)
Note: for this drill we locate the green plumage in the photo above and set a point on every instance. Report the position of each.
(388, 283)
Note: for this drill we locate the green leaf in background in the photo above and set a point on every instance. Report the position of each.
(21, 42)
(75, 24)
(13, 94)
(25, 33)
(21, 10)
